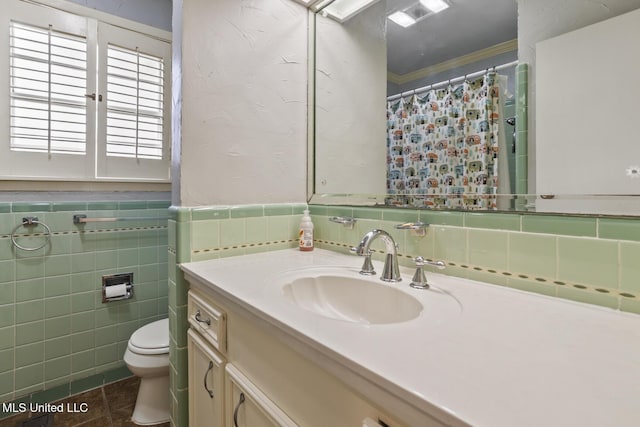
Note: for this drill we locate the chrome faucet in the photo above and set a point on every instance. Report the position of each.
(391, 271)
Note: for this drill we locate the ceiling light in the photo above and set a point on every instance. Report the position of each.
(402, 19)
(435, 5)
(342, 10)
(417, 12)
(319, 5)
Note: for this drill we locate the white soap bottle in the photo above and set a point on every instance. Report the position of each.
(305, 235)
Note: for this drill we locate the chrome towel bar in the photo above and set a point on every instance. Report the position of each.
(82, 219)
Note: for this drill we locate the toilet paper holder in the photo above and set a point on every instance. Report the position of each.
(117, 287)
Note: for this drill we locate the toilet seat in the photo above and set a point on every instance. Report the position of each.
(152, 338)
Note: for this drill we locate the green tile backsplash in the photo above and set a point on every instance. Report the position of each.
(571, 226)
(56, 335)
(587, 259)
(584, 259)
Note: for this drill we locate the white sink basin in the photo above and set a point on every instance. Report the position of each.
(352, 299)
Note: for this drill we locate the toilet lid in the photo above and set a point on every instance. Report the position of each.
(152, 338)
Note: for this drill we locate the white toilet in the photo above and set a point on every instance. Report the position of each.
(147, 357)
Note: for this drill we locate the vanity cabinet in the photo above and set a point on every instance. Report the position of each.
(206, 383)
(268, 380)
(220, 395)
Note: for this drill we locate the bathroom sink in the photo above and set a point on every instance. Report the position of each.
(352, 299)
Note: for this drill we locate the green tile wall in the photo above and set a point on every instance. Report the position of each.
(56, 336)
(587, 259)
(202, 233)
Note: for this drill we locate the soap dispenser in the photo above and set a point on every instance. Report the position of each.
(305, 235)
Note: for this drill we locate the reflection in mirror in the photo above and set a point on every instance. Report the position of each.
(445, 142)
(588, 139)
(350, 84)
(585, 178)
(447, 145)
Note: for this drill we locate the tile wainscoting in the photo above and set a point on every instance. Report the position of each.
(202, 233)
(586, 259)
(57, 338)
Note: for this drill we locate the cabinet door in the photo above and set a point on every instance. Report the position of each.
(206, 383)
(247, 406)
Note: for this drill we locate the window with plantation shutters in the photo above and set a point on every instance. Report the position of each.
(135, 84)
(88, 100)
(48, 76)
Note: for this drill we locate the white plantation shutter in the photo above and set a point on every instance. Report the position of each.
(48, 79)
(87, 101)
(135, 84)
(133, 120)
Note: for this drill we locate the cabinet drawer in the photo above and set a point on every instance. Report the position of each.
(209, 320)
(247, 406)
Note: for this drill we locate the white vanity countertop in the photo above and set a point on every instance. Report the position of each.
(508, 358)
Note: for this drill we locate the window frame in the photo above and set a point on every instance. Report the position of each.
(134, 168)
(94, 166)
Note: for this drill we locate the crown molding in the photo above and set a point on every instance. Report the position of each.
(479, 55)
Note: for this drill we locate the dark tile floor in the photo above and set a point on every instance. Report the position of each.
(108, 406)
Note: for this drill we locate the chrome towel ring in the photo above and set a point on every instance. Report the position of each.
(31, 221)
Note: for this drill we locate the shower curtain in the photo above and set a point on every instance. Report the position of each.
(443, 146)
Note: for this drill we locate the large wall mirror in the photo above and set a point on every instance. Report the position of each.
(424, 114)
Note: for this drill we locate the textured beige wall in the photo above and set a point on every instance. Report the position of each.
(244, 102)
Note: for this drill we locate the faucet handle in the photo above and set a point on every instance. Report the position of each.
(367, 266)
(419, 280)
(440, 265)
(358, 250)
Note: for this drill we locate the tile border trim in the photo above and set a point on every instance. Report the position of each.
(242, 246)
(539, 280)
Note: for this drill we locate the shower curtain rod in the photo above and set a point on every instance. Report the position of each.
(455, 80)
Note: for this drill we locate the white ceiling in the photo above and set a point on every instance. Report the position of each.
(467, 26)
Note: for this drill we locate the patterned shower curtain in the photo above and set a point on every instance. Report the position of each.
(443, 146)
